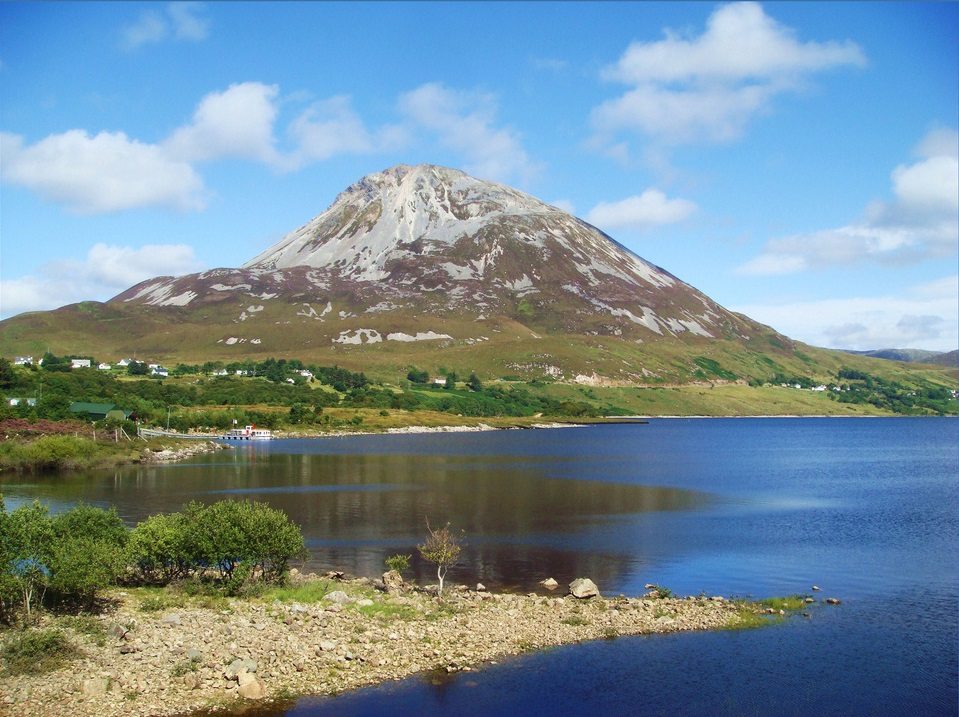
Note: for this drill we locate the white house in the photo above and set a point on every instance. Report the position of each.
(306, 374)
(26, 401)
(23, 361)
(79, 363)
(439, 381)
(104, 367)
(123, 363)
(158, 370)
(220, 372)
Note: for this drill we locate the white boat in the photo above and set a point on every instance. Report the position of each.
(248, 433)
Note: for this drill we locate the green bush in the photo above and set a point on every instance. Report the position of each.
(159, 549)
(87, 552)
(399, 563)
(29, 538)
(34, 652)
(228, 533)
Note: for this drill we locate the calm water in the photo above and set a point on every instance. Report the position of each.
(866, 508)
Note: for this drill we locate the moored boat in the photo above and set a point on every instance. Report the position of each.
(248, 433)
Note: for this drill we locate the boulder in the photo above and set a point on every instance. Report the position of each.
(250, 686)
(118, 631)
(338, 597)
(833, 601)
(583, 588)
(172, 619)
(549, 584)
(480, 587)
(392, 581)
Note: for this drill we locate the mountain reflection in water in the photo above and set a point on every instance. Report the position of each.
(520, 525)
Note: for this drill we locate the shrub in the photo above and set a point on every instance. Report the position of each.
(159, 549)
(34, 652)
(228, 533)
(399, 563)
(87, 552)
(29, 538)
(442, 547)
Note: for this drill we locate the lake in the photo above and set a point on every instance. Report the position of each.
(868, 509)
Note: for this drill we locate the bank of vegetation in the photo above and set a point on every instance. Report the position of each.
(63, 562)
(286, 394)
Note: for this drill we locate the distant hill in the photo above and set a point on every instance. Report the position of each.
(912, 356)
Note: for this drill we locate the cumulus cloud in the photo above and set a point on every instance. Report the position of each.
(920, 222)
(237, 122)
(104, 272)
(465, 123)
(178, 21)
(110, 171)
(107, 172)
(707, 88)
(924, 317)
(641, 211)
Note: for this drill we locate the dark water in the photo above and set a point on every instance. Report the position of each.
(866, 508)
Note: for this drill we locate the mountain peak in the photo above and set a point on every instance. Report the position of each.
(384, 214)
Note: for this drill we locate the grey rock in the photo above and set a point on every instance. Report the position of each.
(338, 597)
(583, 588)
(392, 581)
(833, 601)
(326, 646)
(194, 654)
(549, 584)
(118, 631)
(364, 602)
(171, 619)
(480, 587)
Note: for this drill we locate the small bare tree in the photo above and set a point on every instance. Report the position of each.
(442, 547)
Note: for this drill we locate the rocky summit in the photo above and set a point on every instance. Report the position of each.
(413, 260)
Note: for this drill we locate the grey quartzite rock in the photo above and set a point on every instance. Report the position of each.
(583, 588)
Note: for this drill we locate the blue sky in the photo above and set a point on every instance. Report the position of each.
(795, 161)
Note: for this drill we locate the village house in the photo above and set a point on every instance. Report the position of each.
(23, 361)
(79, 363)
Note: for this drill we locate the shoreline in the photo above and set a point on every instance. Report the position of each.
(177, 655)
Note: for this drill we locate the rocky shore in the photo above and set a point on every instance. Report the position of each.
(183, 450)
(165, 653)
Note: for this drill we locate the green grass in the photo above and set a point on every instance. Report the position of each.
(575, 621)
(750, 615)
(85, 625)
(36, 652)
(308, 592)
(789, 603)
(388, 611)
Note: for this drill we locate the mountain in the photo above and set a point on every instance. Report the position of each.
(427, 265)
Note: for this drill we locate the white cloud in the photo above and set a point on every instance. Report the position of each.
(112, 172)
(921, 222)
(464, 123)
(179, 21)
(105, 173)
(237, 122)
(924, 317)
(331, 127)
(104, 272)
(707, 88)
(641, 211)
